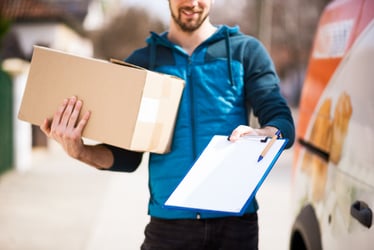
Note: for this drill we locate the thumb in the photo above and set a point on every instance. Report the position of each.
(46, 127)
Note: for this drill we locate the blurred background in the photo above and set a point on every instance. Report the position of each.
(48, 201)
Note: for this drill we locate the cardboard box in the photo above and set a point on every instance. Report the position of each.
(131, 107)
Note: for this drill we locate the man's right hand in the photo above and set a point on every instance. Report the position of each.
(66, 128)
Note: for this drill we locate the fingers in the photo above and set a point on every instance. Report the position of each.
(73, 119)
(82, 123)
(68, 112)
(243, 130)
(240, 131)
(66, 120)
(58, 115)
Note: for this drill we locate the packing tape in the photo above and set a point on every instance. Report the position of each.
(154, 125)
(147, 137)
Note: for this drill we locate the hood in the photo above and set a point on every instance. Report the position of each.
(223, 32)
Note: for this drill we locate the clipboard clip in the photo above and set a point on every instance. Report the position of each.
(269, 137)
(265, 139)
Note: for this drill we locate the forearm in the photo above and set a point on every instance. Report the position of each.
(107, 157)
(98, 156)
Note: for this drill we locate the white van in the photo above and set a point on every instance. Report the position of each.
(333, 172)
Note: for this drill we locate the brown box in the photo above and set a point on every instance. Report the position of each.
(131, 107)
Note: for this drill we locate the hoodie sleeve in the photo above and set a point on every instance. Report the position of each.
(124, 160)
(263, 92)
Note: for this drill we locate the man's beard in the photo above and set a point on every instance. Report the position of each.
(189, 26)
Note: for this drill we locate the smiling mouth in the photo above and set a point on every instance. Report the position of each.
(190, 12)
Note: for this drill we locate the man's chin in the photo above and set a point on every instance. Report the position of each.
(189, 25)
(190, 28)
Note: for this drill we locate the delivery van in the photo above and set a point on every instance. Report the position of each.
(333, 169)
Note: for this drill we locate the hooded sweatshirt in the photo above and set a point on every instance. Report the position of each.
(226, 77)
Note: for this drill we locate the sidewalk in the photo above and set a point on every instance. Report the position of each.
(62, 204)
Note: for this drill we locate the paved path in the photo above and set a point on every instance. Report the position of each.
(61, 204)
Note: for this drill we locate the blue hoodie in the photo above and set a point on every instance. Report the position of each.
(227, 75)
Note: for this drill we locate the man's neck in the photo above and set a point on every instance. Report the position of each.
(189, 41)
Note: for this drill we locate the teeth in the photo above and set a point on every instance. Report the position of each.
(188, 12)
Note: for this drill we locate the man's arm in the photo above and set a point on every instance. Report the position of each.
(264, 96)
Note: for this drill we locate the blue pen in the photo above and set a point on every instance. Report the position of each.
(268, 146)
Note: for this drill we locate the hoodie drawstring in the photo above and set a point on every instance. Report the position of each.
(229, 58)
(152, 55)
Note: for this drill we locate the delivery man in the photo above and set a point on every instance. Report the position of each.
(227, 74)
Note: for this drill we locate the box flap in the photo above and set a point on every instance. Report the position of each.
(123, 63)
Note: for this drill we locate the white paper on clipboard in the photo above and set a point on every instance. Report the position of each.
(226, 176)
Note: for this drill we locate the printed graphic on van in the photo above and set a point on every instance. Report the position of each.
(327, 133)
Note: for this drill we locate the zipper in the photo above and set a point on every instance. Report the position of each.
(192, 105)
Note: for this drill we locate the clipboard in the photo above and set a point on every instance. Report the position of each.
(226, 176)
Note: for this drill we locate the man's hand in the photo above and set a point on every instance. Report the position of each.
(243, 130)
(65, 127)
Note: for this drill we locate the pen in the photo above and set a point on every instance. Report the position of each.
(268, 146)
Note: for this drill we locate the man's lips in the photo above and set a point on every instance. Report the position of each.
(190, 12)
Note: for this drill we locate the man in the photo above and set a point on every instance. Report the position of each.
(226, 74)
